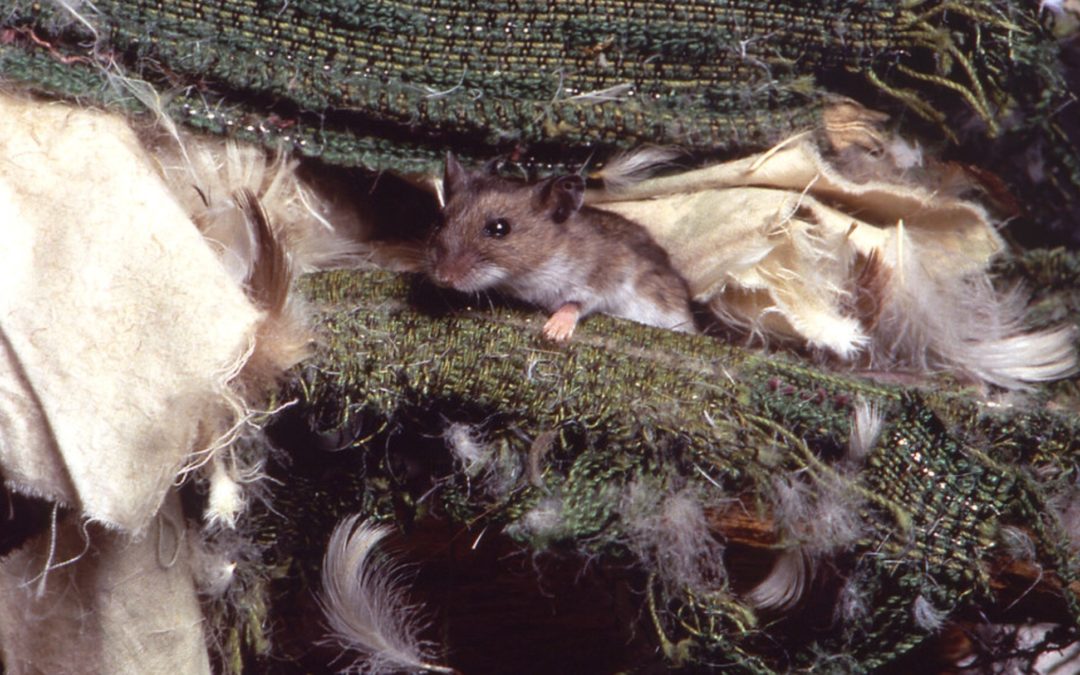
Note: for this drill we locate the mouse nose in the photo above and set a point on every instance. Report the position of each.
(442, 276)
(448, 271)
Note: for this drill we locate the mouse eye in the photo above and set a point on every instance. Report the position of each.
(497, 229)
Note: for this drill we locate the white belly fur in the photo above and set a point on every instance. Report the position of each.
(627, 303)
(559, 281)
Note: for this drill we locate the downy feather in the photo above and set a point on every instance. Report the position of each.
(931, 320)
(632, 167)
(468, 447)
(821, 518)
(866, 425)
(926, 616)
(365, 607)
(670, 533)
(226, 499)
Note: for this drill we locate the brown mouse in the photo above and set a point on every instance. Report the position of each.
(539, 243)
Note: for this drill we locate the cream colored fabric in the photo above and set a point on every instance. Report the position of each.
(772, 240)
(127, 605)
(117, 321)
(118, 330)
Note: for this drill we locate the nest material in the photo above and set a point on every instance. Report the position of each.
(573, 451)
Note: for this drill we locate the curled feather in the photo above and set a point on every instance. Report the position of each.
(364, 605)
(787, 581)
(270, 272)
(820, 518)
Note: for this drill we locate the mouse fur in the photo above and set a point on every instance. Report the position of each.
(539, 243)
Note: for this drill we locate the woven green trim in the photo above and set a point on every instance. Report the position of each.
(629, 405)
(353, 81)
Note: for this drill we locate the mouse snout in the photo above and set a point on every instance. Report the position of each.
(451, 269)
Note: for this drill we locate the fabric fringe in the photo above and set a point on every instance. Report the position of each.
(267, 227)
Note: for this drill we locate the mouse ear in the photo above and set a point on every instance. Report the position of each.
(565, 196)
(455, 176)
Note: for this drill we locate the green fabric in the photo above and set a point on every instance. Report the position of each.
(631, 405)
(391, 84)
(394, 84)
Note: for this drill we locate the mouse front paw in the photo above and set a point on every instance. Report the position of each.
(560, 325)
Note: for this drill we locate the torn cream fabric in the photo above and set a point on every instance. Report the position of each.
(889, 274)
(125, 605)
(117, 322)
(119, 330)
(773, 238)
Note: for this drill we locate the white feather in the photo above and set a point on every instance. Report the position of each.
(927, 616)
(618, 92)
(786, 582)
(542, 523)
(73, 7)
(866, 424)
(852, 605)
(212, 570)
(468, 448)
(934, 320)
(488, 465)
(545, 519)
(629, 168)
(821, 518)
(905, 154)
(1065, 506)
(226, 500)
(1018, 543)
(365, 607)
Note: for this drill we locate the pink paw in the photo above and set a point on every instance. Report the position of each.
(560, 325)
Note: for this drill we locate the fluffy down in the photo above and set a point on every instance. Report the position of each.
(934, 321)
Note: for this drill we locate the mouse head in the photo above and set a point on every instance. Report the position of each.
(494, 229)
